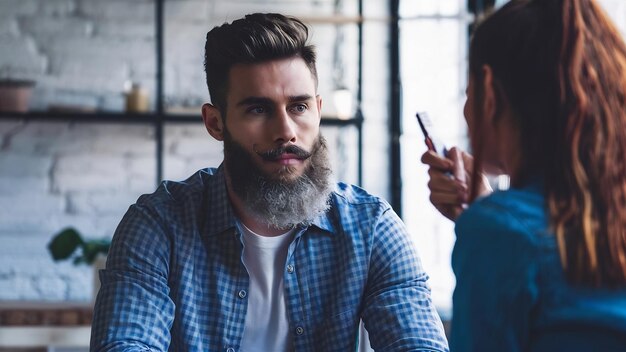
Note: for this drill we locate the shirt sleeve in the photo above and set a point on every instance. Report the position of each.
(493, 261)
(398, 311)
(133, 310)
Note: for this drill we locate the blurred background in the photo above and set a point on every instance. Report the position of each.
(100, 100)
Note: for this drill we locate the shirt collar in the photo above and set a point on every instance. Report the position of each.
(325, 222)
(220, 215)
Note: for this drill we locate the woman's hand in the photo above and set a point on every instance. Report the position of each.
(450, 181)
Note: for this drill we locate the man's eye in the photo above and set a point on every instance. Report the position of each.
(257, 110)
(300, 108)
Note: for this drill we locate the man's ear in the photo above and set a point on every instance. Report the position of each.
(489, 101)
(213, 122)
(318, 99)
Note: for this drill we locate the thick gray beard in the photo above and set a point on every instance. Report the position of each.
(276, 200)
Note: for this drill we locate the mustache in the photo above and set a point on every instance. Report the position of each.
(274, 154)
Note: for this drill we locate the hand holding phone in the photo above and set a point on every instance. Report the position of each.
(430, 141)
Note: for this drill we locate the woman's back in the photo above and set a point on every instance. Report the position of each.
(512, 294)
(546, 105)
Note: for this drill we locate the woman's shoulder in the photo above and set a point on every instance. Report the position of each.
(516, 211)
(522, 199)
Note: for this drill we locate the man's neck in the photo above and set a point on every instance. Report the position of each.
(249, 220)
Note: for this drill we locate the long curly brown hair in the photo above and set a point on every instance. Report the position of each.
(561, 64)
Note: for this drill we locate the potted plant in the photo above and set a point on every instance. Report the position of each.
(64, 245)
(69, 244)
(15, 94)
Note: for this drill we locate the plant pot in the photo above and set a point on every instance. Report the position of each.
(15, 94)
(98, 264)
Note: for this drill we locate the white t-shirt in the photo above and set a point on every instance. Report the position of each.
(267, 326)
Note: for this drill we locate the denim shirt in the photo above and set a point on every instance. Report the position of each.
(511, 292)
(175, 280)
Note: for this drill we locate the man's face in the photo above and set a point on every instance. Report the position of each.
(274, 157)
(273, 112)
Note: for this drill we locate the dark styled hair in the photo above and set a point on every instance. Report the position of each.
(256, 38)
(561, 64)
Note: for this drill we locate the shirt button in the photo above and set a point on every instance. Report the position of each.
(299, 330)
(230, 349)
(290, 268)
(242, 294)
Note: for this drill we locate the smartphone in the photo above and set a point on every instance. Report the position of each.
(432, 143)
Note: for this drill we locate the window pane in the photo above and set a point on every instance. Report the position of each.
(433, 73)
(431, 8)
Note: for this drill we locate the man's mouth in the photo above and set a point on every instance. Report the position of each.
(285, 155)
(288, 159)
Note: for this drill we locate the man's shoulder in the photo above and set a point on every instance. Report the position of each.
(176, 193)
(351, 195)
(353, 201)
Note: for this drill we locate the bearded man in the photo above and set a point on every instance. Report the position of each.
(263, 253)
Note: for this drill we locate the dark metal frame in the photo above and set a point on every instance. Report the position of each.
(160, 108)
(134, 118)
(396, 107)
(358, 118)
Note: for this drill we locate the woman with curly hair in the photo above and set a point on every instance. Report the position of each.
(541, 266)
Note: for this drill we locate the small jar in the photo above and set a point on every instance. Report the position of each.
(137, 99)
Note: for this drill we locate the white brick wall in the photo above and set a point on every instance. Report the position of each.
(54, 175)
(57, 7)
(20, 57)
(18, 7)
(85, 175)
(51, 27)
(139, 10)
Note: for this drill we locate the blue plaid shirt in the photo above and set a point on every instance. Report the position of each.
(175, 281)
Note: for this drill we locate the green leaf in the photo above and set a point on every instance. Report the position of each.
(93, 248)
(65, 243)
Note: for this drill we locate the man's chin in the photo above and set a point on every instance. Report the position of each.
(284, 172)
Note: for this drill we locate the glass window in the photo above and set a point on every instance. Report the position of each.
(433, 50)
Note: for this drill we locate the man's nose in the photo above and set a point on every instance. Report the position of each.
(284, 128)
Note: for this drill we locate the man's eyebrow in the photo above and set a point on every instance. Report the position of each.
(254, 101)
(268, 101)
(302, 97)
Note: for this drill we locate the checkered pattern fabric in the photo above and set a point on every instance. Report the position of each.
(175, 281)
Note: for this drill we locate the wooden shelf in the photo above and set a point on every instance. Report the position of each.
(141, 118)
(46, 315)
